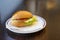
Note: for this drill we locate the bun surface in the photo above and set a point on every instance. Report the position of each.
(17, 23)
(22, 14)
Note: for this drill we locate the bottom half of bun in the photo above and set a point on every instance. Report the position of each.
(17, 23)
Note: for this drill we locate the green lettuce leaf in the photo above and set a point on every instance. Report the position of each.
(30, 21)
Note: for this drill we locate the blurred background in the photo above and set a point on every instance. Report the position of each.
(48, 9)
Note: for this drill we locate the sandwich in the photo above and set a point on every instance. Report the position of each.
(22, 18)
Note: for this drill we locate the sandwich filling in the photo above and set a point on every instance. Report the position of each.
(27, 21)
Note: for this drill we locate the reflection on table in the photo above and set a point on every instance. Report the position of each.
(41, 35)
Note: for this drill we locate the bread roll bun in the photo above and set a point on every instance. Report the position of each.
(22, 14)
(17, 23)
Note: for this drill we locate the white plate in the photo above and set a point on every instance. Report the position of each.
(40, 24)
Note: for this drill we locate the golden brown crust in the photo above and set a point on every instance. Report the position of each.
(22, 14)
(17, 23)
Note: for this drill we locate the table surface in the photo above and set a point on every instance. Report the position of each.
(50, 32)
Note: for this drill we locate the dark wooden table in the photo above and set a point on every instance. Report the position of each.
(51, 32)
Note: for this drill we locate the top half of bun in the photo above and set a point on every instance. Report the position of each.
(22, 14)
